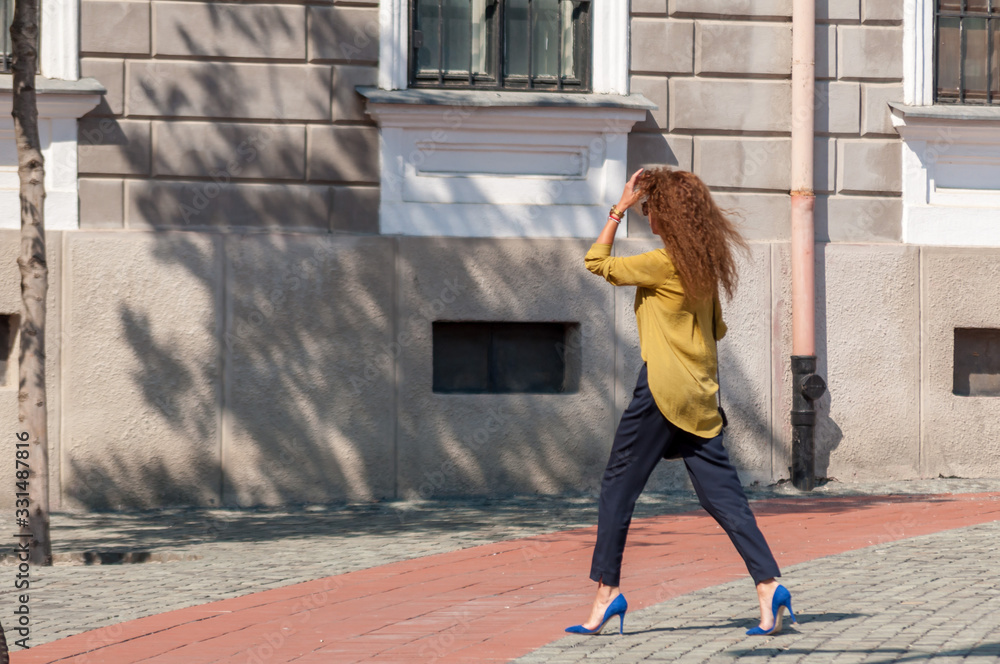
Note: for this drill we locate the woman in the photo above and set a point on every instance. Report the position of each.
(674, 412)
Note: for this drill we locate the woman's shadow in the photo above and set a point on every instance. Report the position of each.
(735, 623)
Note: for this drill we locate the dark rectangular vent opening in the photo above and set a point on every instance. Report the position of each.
(9, 325)
(977, 362)
(505, 358)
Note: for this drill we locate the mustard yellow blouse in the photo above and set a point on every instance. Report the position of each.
(675, 336)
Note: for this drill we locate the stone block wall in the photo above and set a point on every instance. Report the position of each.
(721, 73)
(229, 114)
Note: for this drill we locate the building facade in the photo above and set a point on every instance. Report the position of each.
(282, 233)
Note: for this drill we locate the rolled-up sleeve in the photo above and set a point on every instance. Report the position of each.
(649, 270)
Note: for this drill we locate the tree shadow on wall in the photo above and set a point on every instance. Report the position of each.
(293, 365)
(315, 385)
(306, 373)
(308, 380)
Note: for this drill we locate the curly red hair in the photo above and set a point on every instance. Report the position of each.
(698, 235)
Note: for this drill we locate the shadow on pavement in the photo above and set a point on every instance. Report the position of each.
(728, 625)
(829, 617)
(499, 518)
(891, 654)
(834, 504)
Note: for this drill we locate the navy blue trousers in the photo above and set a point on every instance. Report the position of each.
(644, 437)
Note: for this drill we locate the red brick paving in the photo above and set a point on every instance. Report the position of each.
(496, 602)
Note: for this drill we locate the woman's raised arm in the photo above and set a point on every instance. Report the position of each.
(630, 196)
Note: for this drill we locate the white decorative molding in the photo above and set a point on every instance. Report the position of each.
(609, 53)
(918, 52)
(394, 44)
(611, 47)
(58, 139)
(60, 104)
(951, 174)
(951, 153)
(500, 164)
(56, 103)
(60, 39)
(62, 98)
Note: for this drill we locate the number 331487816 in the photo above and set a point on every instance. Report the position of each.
(21, 472)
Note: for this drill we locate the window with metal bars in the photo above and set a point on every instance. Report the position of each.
(967, 51)
(500, 44)
(6, 44)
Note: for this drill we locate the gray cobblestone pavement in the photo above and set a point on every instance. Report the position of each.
(206, 555)
(935, 597)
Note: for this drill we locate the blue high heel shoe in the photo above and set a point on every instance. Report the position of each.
(782, 600)
(618, 607)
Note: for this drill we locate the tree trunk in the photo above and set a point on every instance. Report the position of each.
(4, 655)
(34, 281)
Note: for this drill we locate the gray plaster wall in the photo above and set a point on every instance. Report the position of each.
(213, 368)
(529, 443)
(868, 342)
(207, 369)
(142, 370)
(197, 368)
(867, 348)
(720, 72)
(308, 413)
(10, 304)
(958, 434)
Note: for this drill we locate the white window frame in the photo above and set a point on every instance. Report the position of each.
(61, 100)
(60, 36)
(944, 146)
(487, 163)
(918, 52)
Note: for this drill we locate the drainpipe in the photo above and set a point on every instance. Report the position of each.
(807, 386)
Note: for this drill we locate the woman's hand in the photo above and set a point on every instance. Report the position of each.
(631, 195)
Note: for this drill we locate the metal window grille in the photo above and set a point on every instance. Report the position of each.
(500, 44)
(7, 15)
(967, 51)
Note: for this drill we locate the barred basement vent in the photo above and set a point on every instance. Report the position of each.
(9, 324)
(504, 358)
(977, 362)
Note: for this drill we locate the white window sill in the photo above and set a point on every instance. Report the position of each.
(56, 97)
(473, 163)
(505, 98)
(945, 112)
(951, 167)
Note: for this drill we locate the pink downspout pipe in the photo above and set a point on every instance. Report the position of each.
(803, 196)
